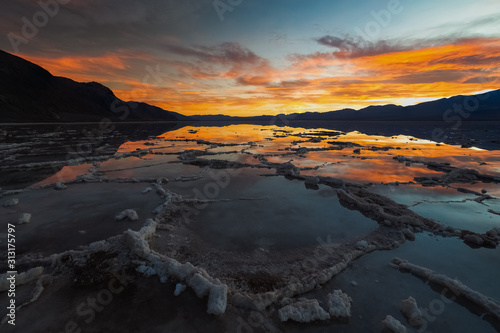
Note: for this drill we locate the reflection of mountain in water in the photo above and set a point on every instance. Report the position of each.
(59, 143)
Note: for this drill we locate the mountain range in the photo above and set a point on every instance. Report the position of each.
(481, 107)
(29, 93)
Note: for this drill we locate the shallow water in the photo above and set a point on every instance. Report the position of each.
(447, 206)
(64, 220)
(250, 200)
(382, 287)
(284, 215)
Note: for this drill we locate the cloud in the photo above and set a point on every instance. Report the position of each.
(486, 24)
(96, 27)
(348, 47)
(118, 66)
(354, 47)
(252, 81)
(91, 43)
(483, 79)
(226, 60)
(471, 60)
(290, 84)
(432, 76)
(225, 53)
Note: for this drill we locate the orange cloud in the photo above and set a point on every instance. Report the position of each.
(230, 79)
(82, 68)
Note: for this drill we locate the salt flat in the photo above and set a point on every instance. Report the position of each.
(251, 218)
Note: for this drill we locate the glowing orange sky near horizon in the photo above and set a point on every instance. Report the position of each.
(316, 82)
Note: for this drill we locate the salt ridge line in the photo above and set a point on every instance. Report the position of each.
(457, 287)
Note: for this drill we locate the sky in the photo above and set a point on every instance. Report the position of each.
(252, 57)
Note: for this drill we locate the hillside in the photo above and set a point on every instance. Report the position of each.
(29, 93)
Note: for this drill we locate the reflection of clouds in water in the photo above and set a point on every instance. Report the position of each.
(374, 163)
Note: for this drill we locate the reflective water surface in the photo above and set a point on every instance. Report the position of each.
(261, 192)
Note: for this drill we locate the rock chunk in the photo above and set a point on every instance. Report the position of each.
(127, 213)
(161, 192)
(179, 289)
(288, 169)
(392, 325)
(409, 235)
(25, 218)
(158, 210)
(303, 311)
(60, 186)
(410, 310)
(339, 304)
(20, 278)
(217, 300)
(200, 285)
(11, 203)
(494, 233)
(162, 180)
(474, 239)
(362, 245)
(146, 190)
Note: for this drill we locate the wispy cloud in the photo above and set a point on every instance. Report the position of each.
(227, 60)
(230, 78)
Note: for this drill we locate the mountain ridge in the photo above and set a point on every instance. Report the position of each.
(30, 93)
(480, 107)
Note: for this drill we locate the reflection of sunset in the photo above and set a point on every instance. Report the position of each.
(336, 154)
(374, 163)
(226, 134)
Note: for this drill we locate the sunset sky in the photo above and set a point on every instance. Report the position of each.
(250, 57)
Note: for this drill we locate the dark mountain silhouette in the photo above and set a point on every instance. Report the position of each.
(482, 107)
(29, 93)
